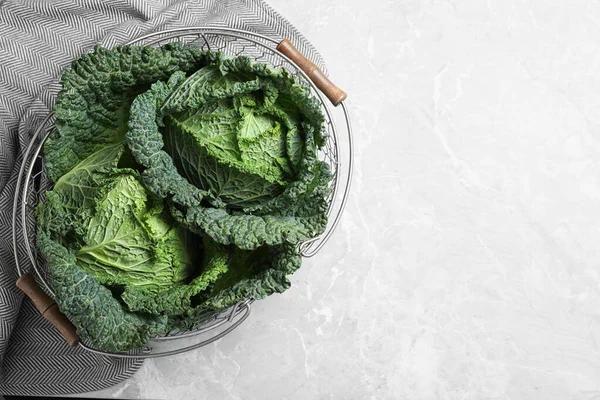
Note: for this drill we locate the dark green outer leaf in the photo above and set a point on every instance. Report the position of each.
(92, 110)
(250, 274)
(98, 316)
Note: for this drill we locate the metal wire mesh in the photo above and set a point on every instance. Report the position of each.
(33, 183)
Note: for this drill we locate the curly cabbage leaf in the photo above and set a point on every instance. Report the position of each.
(98, 316)
(178, 299)
(92, 109)
(248, 275)
(130, 243)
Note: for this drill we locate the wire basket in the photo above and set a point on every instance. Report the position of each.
(32, 184)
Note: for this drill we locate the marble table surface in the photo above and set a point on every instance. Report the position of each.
(467, 263)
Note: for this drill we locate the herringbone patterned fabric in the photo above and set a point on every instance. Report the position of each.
(38, 39)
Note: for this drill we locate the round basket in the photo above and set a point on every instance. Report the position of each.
(32, 185)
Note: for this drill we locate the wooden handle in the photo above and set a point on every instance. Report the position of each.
(333, 93)
(48, 308)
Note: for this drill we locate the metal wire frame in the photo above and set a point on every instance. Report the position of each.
(261, 48)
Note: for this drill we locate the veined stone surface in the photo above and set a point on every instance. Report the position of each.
(467, 263)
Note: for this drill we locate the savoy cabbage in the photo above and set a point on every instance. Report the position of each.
(183, 182)
(235, 146)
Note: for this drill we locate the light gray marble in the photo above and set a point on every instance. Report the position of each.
(466, 265)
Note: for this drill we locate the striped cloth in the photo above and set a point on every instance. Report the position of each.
(38, 39)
